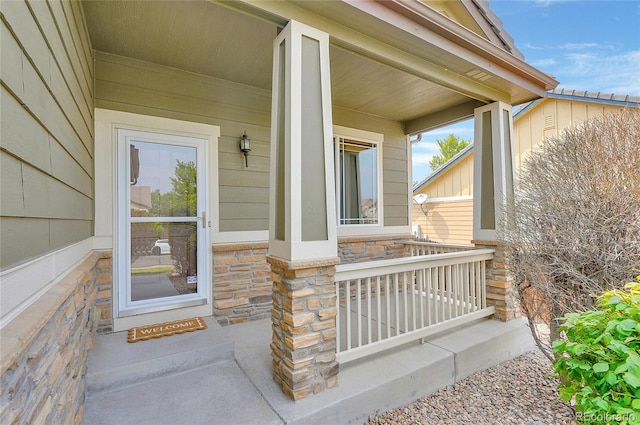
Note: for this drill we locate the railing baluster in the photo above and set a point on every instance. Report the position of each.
(347, 303)
(420, 278)
(460, 289)
(379, 312)
(412, 287)
(449, 293)
(369, 316)
(359, 309)
(467, 289)
(441, 283)
(433, 295)
(455, 290)
(387, 295)
(472, 287)
(338, 316)
(397, 302)
(483, 285)
(405, 289)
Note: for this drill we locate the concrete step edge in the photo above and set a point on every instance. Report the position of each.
(117, 376)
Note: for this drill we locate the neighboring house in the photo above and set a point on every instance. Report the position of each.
(447, 214)
(140, 197)
(311, 84)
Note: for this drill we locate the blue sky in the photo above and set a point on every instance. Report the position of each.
(589, 45)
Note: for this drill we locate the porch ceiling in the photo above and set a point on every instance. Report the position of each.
(234, 42)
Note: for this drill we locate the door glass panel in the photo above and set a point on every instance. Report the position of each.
(163, 220)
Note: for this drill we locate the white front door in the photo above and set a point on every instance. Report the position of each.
(162, 222)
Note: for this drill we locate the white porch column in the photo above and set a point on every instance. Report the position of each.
(302, 224)
(492, 195)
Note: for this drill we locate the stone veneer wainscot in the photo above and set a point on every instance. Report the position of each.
(241, 283)
(44, 349)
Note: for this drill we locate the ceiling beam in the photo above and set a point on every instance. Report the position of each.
(441, 118)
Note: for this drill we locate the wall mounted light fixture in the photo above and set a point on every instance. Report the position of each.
(245, 147)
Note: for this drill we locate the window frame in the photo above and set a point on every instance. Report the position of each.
(365, 137)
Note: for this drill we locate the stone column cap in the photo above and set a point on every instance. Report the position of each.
(487, 242)
(305, 264)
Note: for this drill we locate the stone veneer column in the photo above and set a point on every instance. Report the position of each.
(500, 288)
(304, 312)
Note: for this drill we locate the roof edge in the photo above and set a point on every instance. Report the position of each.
(444, 167)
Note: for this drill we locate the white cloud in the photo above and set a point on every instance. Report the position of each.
(544, 63)
(421, 158)
(590, 66)
(583, 46)
(617, 73)
(545, 3)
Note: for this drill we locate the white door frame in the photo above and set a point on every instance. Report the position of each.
(127, 307)
(107, 121)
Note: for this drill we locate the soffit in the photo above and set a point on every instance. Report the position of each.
(234, 42)
(195, 36)
(209, 39)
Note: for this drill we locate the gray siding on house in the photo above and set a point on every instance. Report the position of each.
(46, 144)
(129, 85)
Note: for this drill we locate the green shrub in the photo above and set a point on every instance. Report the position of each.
(598, 361)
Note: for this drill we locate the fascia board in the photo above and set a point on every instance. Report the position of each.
(458, 35)
(406, 56)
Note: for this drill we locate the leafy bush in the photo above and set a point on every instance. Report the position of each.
(599, 362)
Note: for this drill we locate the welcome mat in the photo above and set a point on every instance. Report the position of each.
(143, 333)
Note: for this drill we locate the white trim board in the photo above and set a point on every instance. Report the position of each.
(23, 285)
(448, 199)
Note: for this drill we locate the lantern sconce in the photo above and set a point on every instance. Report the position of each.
(245, 147)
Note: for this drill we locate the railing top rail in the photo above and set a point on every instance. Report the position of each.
(443, 245)
(399, 265)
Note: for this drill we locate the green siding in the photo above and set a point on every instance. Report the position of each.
(47, 129)
(140, 87)
(129, 85)
(23, 238)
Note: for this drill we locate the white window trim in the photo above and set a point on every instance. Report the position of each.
(364, 136)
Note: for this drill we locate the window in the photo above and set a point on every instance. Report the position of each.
(357, 184)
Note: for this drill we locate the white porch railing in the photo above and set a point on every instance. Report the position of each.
(383, 304)
(418, 247)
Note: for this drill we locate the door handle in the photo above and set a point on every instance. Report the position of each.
(204, 220)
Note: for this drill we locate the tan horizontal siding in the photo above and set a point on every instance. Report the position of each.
(447, 221)
(47, 129)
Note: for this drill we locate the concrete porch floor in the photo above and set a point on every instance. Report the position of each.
(224, 376)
